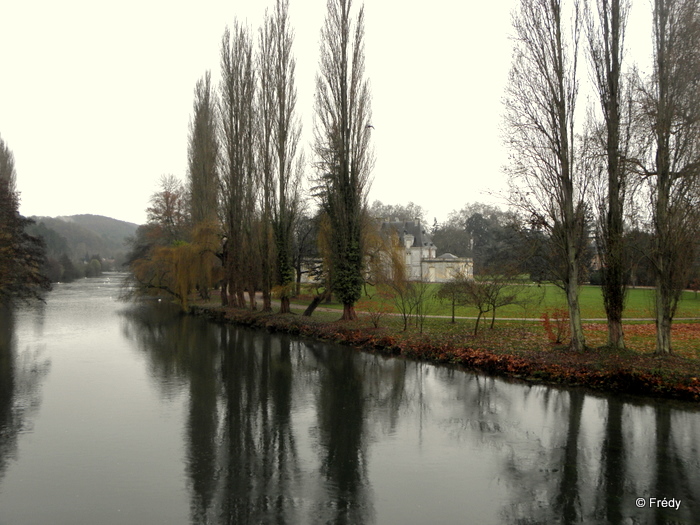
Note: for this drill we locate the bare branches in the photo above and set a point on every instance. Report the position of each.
(540, 106)
(670, 121)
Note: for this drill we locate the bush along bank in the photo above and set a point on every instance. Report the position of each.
(518, 352)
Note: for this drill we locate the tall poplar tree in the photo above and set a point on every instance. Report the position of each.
(670, 112)
(202, 174)
(237, 176)
(280, 161)
(344, 158)
(606, 23)
(202, 154)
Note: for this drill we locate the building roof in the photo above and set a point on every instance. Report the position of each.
(421, 238)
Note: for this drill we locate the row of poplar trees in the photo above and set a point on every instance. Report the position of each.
(245, 167)
(637, 160)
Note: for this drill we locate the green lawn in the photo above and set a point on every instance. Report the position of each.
(547, 297)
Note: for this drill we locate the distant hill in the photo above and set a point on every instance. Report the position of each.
(85, 235)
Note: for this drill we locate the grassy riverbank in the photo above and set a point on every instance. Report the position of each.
(518, 349)
(639, 303)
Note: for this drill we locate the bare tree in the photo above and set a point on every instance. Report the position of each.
(540, 102)
(606, 24)
(168, 209)
(280, 161)
(670, 115)
(344, 158)
(237, 176)
(390, 212)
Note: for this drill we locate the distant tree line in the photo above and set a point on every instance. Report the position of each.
(33, 255)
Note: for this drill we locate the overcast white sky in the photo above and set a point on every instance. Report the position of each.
(96, 97)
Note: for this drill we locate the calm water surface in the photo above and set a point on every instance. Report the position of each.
(117, 414)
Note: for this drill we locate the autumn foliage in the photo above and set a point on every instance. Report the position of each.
(375, 310)
(174, 255)
(556, 325)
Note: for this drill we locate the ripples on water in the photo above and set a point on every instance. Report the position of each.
(114, 413)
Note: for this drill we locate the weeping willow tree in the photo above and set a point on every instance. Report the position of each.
(176, 270)
(170, 256)
(344, 158)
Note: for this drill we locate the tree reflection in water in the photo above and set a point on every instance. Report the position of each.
(242, 460)
(21, 374)
(341, 412)
(281, 431)
(593, 459)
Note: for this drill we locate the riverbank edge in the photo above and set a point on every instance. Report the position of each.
(617, 375)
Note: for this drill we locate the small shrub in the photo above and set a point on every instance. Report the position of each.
(556, 325)
(375, 309)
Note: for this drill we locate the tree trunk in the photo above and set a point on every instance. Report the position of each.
(613, 273)
(224, 295)
(314, 303)
(253, 301)
(616, 335)
(284, 305)
(578, 340)
(476, 326)
(663, 319)
(267, 301)
(664, 249)
(240, 298)
(349, 313)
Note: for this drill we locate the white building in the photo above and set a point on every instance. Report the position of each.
(422, 261)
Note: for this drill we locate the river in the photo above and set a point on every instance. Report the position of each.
(114, 413)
